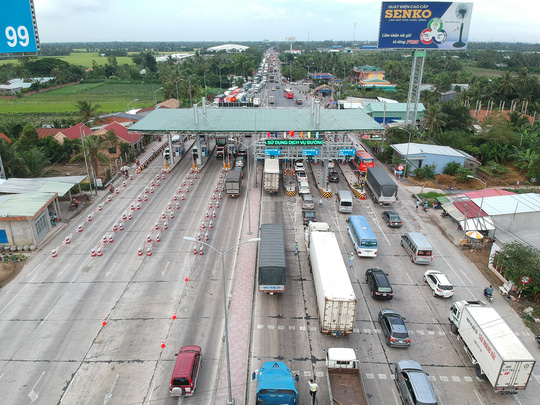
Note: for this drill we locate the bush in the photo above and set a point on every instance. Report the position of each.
(427, 171)
(451, 168)
(497, 169)
(464, 172)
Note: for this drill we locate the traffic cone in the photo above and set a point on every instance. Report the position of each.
(139, 252)
(93, 253)
(100, 252)
(68, 241)
(200, 251)
(174, 315)
(104, 322)
(54, 254)
(186, 279)
(89, 218)
(149, 253)
(162, 344)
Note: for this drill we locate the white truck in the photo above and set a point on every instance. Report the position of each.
(344, 381)
(492, 346)
(336, 302)
(271, 175)
(256, 102)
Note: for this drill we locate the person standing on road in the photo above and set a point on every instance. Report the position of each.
(295, 248)
(417, 204)
(320, 202)
(351, 260)
(313, 387)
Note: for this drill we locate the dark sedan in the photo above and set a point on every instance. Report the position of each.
(392, 219)
(309, 216)
(333, 177)
(394, 329)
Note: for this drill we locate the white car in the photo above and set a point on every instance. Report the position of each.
(298, 166)
(439, 283)
(303, 187)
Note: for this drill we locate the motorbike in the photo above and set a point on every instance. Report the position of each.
(489, 296)
(444, 214)
(74, 205)
(538, 340)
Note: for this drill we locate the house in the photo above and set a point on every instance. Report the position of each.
(372, 77)
(134, 139)
(45, 132)
(76, 131)
(418, 155)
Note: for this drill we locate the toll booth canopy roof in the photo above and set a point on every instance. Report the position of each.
(256, 120)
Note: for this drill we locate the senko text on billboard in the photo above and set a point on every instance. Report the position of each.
(425, 25)
(17, 34)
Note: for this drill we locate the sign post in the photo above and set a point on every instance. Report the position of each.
(18, 28)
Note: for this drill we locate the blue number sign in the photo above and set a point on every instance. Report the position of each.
(17, 32)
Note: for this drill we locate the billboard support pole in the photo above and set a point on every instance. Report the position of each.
(413, 97)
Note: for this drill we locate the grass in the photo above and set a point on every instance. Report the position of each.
(85, 59)
(111, 98)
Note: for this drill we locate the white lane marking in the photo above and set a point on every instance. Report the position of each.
(14, 298)
(108, 271)
(151, 391)
(109, 394)
(33, 394)
(61, 271)
(32, 272)
(165, 269)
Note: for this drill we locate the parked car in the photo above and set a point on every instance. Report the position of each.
(439, 283)
(379, 285)
(333, 177)
(394, 329)
(412, 384)
(309, 216)
(392, 219)
(299, 101)
(298, 166)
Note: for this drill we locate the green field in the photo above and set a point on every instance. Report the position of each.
(85, 59)
(111, 98)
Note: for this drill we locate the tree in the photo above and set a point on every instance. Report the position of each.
(93, 146)
(33, 162)
(29, 138)
(506, 85)
(515, 261)
(87, 110)
(434, 120)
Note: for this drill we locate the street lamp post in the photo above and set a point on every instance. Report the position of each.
(84, 153)
(230, 399)
(190, 98)
(219, 68)
(155, 98)
(407, 156)
(481, 202)
(130, 119)
(204, 76)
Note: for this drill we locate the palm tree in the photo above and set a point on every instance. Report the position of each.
(93, 146)
(506, 85)
(87, 110)
(434, 120)
(33, 162)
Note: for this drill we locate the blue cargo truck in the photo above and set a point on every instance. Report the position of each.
(275, 384)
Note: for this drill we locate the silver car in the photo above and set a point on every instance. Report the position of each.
(413, 384)
(394, 329)
(439, 283)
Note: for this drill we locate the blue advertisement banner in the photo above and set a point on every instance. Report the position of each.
(425, 25)
(17, 34)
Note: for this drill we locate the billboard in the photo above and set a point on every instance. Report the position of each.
(18, 28)
(424, 25)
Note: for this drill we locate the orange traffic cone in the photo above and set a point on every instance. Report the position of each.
(162, 344)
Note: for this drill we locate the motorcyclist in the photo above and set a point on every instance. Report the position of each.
(488, 291)
(111, 188)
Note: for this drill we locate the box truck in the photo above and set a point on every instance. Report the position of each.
(336, 302)
(382, 187)
(271, 175)
(492, 346)
(272, 268)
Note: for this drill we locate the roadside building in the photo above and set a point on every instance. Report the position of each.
(372, 77)
(390, 112)
(418, 155)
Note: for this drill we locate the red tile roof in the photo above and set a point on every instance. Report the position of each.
(44, 132)
(115, 118)
(2, 135)
(123, 133)
(75, 131)
(481, 115)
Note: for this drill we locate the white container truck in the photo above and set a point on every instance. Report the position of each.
(492, 346)
(271, 175)
(336, 302)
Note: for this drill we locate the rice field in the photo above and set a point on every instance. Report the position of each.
(111, 98)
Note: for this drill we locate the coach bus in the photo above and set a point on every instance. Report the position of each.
(362, 160)
(364, 240)
(288, 93)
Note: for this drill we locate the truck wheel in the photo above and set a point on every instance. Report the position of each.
(478, 371)
(453, 328)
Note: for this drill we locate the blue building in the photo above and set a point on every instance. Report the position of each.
(419, 155)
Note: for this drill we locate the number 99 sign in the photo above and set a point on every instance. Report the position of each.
(17, 27)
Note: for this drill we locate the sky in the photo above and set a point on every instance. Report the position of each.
(256, 20)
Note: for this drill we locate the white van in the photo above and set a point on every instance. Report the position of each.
(418, 247)
(271, 100)
(344, 201)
